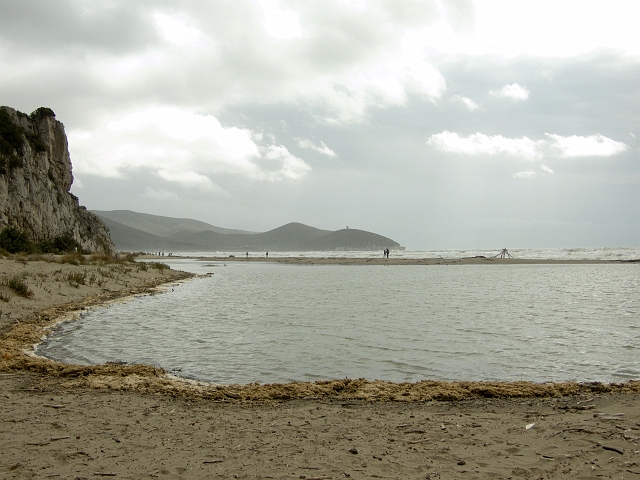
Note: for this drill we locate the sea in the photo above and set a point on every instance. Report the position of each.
(268, 322)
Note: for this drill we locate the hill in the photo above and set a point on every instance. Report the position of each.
(144, 232)
(131, 239)
(159, 225)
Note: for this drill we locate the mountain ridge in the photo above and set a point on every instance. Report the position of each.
(160, 225)
(293, 236)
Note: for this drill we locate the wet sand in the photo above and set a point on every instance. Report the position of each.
(135, 421)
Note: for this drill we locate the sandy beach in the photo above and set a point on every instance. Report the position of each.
(136, 421)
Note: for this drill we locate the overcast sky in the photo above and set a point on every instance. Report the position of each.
(438, 123)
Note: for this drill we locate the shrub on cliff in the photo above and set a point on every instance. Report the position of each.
(12, 139)
(10, 135)
(42, 112)
(62, 244)
(11, 142)
(14, 241)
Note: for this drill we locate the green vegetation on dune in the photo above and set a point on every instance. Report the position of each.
(18, 285)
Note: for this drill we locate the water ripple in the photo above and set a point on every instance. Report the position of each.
(274, 323)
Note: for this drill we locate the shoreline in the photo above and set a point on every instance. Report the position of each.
(20, 337)
(138, 421)
(18, 345)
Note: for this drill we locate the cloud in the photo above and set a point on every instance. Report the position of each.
(322, 148)
(189, 179)
(592, 146)
(513, 91)
(283, 164)
(175, 30)
(513, 28)
(159, 194)
(180, 146)
(67, 27)
(531, 173)
(278, 22)
(547, 74)
(559, 146)
(470, 104)
(385, 83)
(525, 174)
(479, 143)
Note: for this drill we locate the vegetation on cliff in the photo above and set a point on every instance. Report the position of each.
(13, 240)
(13, 138)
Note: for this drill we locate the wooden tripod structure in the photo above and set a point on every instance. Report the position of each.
(504, 253)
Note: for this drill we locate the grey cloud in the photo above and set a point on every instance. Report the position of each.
(340, 37)
(242, 64)
(75, 27)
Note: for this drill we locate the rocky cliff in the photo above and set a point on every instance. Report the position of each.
(35, 179)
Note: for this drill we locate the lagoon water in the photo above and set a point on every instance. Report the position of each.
(267, 322)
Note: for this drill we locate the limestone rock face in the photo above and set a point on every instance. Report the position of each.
(35, 179)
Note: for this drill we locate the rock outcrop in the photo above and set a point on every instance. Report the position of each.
(35, 182)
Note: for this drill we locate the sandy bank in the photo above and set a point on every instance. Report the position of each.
(51, 429)
(68, 286)
(407, 261)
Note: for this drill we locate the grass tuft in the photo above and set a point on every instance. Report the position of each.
(19, 286)
(159, 266)
(75, 279)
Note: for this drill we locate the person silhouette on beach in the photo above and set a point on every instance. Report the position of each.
(267, 254)
(247, 254)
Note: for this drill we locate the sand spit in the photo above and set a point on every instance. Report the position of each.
(406, 261)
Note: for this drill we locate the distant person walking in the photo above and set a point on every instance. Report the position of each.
(267, 254)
